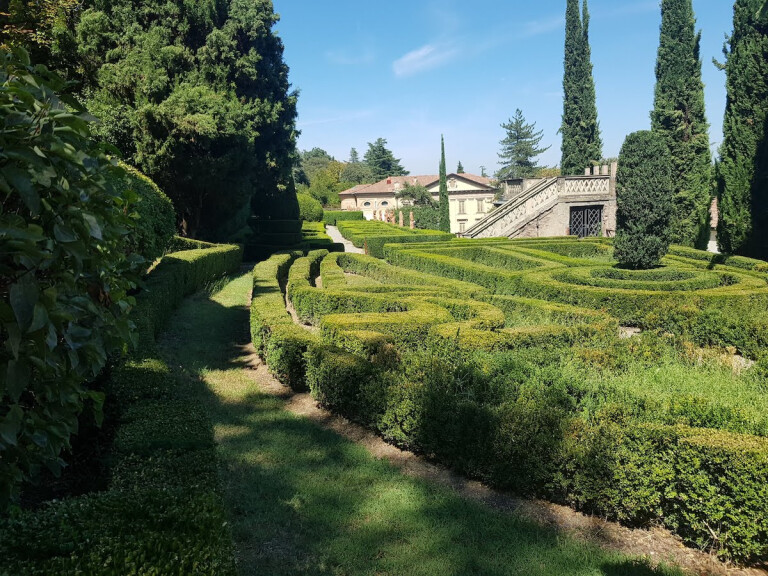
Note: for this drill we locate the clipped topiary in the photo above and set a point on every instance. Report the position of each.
(644, 201)
(155, 217)
(309, 209)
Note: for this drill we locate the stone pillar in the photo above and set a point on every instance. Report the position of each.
(595, 170)
(413, 222)
(604, 170)
(401, 218)
(587, 171)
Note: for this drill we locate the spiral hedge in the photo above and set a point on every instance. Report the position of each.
(448, 348)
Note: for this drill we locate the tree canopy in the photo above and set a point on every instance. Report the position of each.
(519, 148)
(382, 161)
(580, 129)
(197, 96)
(678, 117)
(742, 173)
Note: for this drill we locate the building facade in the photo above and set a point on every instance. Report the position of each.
(470, 197)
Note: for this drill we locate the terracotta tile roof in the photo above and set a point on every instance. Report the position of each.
(397, 183)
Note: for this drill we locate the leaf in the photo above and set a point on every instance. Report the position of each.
(10, 425)
(24, 295)
(20, 180)
(64, 233)
(40, 318)
(17, 379)
(93, 224)
(14, 338)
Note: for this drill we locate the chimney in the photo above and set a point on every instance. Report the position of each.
(389, 180)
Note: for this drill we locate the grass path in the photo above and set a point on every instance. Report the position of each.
(303, 500)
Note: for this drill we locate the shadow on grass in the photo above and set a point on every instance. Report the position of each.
(303, 500)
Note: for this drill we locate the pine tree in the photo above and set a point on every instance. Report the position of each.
(354, 158)
(742, 175)
(519, 148)
(445, 214)
(382, 162)
(460, 168)
(644, 201)
(580, 129)
(678, 117)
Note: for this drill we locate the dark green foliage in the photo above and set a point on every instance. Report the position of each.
(330, 217)
(460, 168)
(443, 204)
(743, 170)
(425, 217)
(519, 148)
(310, 209)
(381, 162)
(65, 270)
(678, 117)
(644, 201)
(197, 97)
(155, 218)
(161, 512)
(415, 195)
(582, 144)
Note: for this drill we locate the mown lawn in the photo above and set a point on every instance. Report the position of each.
(303, 500)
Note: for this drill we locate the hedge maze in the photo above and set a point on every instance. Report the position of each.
(503, 359)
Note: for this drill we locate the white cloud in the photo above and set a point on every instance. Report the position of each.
(424, 58)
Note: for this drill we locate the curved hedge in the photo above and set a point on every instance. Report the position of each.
(155, 217)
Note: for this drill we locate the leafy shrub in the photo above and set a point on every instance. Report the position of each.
(644, 201)
(155, 218)
(330, 217)
(162, 513)
(374, 235)
(310, 210)
(65, 269)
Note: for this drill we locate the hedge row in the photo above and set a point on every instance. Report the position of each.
(331, 217)
(374, 235)
(280, 342)
(315, 238)
(711, 259)
(162, 512)
(710, 487)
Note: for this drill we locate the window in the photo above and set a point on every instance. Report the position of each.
(462, 209)
(367, 204)
(462, 226)
(385, 203)
(481, 205)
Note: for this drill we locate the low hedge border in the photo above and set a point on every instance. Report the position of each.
(162, 512)
(713, 260)
(279, 341)
(331, 217)
(709, 487)
(374, 235)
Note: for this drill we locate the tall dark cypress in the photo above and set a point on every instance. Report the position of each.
(580, 128)
(679, 118)
(445, 214)
(742, 174)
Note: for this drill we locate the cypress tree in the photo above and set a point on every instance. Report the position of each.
(445, 214)
(742, 175)
(644, 201)
(679, 118)
(580, 129)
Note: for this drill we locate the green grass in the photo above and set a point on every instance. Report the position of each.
(302, 500)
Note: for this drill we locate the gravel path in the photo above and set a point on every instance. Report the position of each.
(336, 236)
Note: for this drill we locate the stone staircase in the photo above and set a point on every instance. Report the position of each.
(550, 200)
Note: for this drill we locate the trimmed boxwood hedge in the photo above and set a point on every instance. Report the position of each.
(374, 235)
(424, 360)
(162, 512)
(331, 217)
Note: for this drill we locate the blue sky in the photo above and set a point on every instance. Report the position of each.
(410, 70)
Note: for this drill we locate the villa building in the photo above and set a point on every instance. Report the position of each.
(470, 197)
